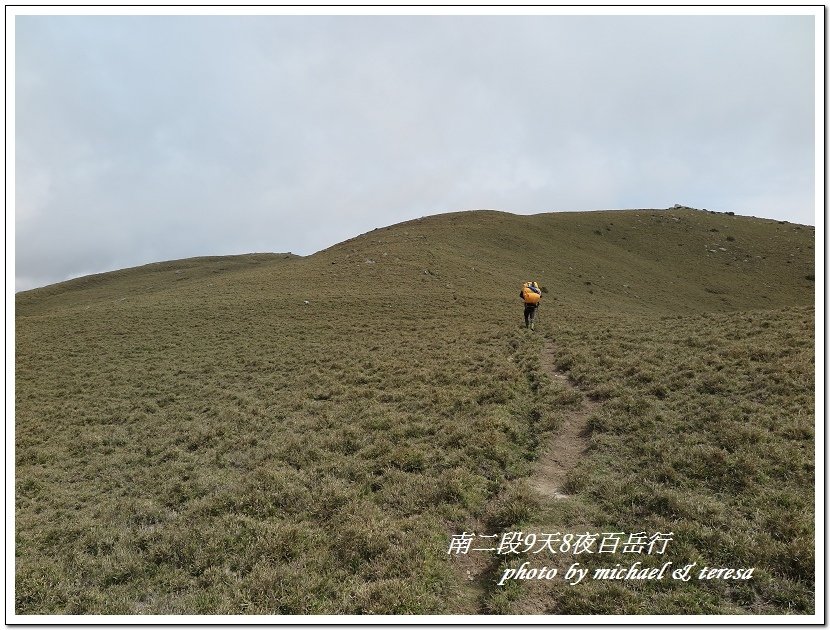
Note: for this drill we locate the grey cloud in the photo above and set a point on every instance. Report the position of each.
(149, 138)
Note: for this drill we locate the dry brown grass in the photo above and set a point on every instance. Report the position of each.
(193, 437)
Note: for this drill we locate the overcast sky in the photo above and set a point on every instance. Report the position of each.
(149, 138)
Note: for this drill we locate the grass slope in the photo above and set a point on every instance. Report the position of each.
(275, 434)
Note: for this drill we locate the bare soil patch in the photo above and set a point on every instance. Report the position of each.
(566, 447)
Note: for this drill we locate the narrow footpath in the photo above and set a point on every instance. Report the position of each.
(563, 451)
(566, 447)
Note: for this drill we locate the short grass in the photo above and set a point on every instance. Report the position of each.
(274, 434)
(706, 430)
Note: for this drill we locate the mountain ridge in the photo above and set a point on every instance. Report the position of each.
(582, 254)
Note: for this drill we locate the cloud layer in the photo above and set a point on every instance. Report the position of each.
(150, 138)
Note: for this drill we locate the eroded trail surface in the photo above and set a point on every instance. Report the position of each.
(479, 571)
(566, 447)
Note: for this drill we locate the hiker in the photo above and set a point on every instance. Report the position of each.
(531, 294)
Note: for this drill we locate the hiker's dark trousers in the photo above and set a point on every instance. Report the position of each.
(530, 313)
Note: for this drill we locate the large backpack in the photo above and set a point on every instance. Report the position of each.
(531, 293)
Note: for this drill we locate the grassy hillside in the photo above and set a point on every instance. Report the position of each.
(276, 434)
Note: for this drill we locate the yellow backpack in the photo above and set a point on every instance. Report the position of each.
(531, 293)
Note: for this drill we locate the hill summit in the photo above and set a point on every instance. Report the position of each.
(639, 260)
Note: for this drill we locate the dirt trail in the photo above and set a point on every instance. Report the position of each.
(478, 571)
(566, 447)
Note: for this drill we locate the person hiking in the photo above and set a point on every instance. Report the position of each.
(531, 294)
